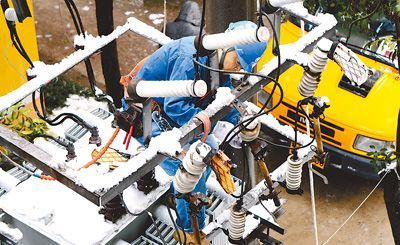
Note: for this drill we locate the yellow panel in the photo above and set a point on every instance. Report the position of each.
(12, 65)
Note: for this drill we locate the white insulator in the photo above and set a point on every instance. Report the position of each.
(11, 15)
(280, 3)
(235, 37)
(316, 65)
(237, 223)
(176, 88)
(193, 166)
(293, 173)
(7, 181)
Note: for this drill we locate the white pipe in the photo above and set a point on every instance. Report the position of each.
(235, 37)
(7, 181)
(280, 3)
(176, 88)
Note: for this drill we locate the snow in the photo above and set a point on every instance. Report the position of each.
(156, 18)
(54, 209)
(223, 98)
(45, 73)
(136, 201)
(85, 8)
(7, 181)
(129, 13)
(147, 31)
(301, 58)
(13, 234)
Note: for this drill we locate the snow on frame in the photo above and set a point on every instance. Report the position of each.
(11, 233)
(44, 73)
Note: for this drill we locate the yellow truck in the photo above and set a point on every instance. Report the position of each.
(357, 118)
(13, 65)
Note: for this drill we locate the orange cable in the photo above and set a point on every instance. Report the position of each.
(103, 150)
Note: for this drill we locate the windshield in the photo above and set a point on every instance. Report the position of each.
(366, 25)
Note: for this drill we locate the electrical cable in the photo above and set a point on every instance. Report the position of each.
(76, 18)
(169, 195)
(269, 212)
(256, 115)
(157, 228)
(62, 117)
(359, 206)
(276, 83)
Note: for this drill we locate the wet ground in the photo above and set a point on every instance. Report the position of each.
(335, 202)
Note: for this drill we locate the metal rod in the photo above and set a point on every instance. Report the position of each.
(318, 136)
(195, 226)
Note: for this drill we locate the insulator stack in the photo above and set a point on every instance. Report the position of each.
(316, 66)
(192, 168)
(293, 173)
(237, 222)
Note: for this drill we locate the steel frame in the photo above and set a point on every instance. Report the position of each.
(190, 130)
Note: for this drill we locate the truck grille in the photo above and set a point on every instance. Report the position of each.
(328, 129)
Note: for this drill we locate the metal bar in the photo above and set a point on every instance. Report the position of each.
(78, 56)
(41, 159)
(147, 121)
(190, 130)
(214, 75)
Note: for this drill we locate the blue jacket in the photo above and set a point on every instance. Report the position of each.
(174, 61)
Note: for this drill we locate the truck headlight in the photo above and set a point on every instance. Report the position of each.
(363, 143)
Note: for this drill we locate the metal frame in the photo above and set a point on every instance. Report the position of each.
(190, 130)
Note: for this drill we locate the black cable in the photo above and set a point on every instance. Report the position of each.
(250, 118)
(61, 117)
(196, 67)
(278, 52)
(157, 228)
(169, 195)
(72, 3)
(266, 209)
(276, 83)
(18, 45)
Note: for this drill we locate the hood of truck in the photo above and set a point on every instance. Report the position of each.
(374, 115)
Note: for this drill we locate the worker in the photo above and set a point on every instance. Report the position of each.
(174, 61)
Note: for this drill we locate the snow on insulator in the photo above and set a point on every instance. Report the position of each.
(11, 233)
(176, 88)
(235, 37)
(7, 181)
